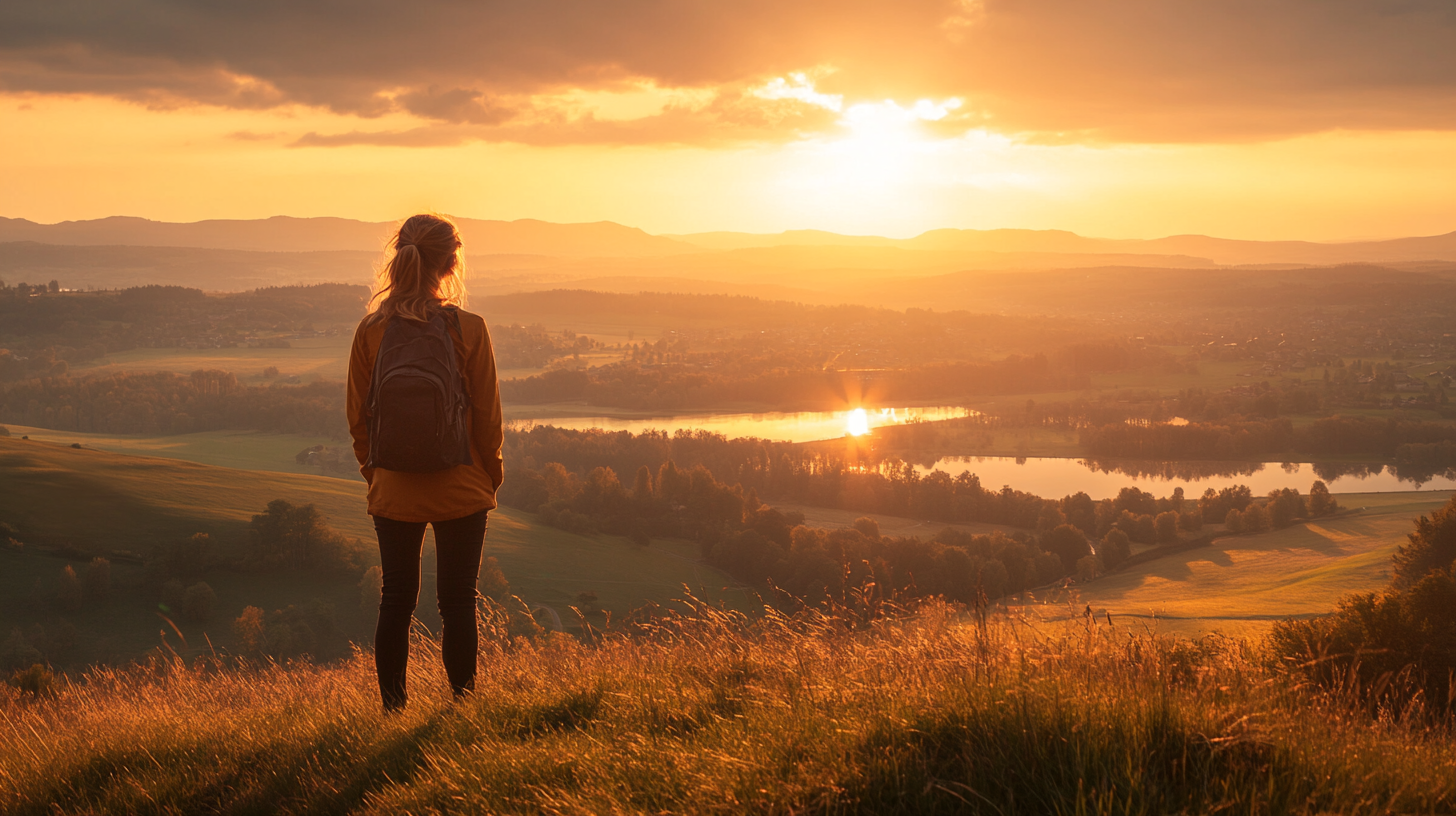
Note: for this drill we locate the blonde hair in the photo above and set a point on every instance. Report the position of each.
(423, 269)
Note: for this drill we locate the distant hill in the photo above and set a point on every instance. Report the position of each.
(286, 234)
(1219, 250)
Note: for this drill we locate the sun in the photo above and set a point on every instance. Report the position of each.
(857, 423)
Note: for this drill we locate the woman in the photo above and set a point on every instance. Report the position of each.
(420, 290)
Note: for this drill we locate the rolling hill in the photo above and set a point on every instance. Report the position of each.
(99, 502)
(1241, 584)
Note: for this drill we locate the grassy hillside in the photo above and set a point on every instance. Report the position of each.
(244, 450)
(715, 714)
(1243, 583)
(101, 501)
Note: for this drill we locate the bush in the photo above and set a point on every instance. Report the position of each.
(1394, 648)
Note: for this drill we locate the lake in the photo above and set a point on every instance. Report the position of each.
(1044, 476)
(1054, 478)
(801, 426)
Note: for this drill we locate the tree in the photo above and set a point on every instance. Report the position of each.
(642, 485)
(1088, 567)
(1234, 521)
(298, 536)
(1190, 520)
(1166, 527)
(1114, 549)
(250, 633)
(1432, 547)
(1321, 503)
(1067, 543)
(1256, 518)
(867, 527)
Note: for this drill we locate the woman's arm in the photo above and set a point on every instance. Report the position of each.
(361, 371)
(487, 434)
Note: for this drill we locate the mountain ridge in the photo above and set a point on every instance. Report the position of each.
(608, 239)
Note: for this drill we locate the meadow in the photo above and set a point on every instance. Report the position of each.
(705, 712)
(1242, 584)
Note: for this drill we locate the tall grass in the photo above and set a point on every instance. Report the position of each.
(714, 712)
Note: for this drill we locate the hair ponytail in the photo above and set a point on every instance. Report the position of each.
(423, 269)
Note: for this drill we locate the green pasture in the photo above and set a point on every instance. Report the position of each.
(310, 358)
(244, 450)
(1242, 583)
(833, 519)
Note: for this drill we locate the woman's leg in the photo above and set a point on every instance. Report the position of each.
(458, 544)
(399, 559)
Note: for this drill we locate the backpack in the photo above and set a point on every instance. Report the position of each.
(418, 406)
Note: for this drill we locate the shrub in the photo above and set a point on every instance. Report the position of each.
(867, 527)
(1088, 567)
(1394, 648)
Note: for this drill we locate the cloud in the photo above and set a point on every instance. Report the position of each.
(725, 120)
(1120, 70)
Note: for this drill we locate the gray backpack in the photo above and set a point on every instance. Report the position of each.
(418, 405)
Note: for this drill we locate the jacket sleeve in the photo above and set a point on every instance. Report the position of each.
(361, 371)
(487, 433)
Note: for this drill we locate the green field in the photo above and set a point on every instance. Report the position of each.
(244, 450)
(1241, 584)
(310, 358)
(102, 501)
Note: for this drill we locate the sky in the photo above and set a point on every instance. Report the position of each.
(1299, 119)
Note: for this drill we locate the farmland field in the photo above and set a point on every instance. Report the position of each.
(1242, 583)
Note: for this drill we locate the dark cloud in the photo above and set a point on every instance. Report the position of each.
(1117, 70)
(728, 119)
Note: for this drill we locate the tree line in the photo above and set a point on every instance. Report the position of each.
(163, 402)
(708, 488)
(1412, 441)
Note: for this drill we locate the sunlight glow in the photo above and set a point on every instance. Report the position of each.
(798, 86)
(857, 423)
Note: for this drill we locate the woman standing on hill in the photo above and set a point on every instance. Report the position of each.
(425, 415)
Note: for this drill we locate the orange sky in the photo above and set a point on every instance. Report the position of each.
(1315, 119)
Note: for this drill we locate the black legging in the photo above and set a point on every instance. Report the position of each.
(458, 543)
